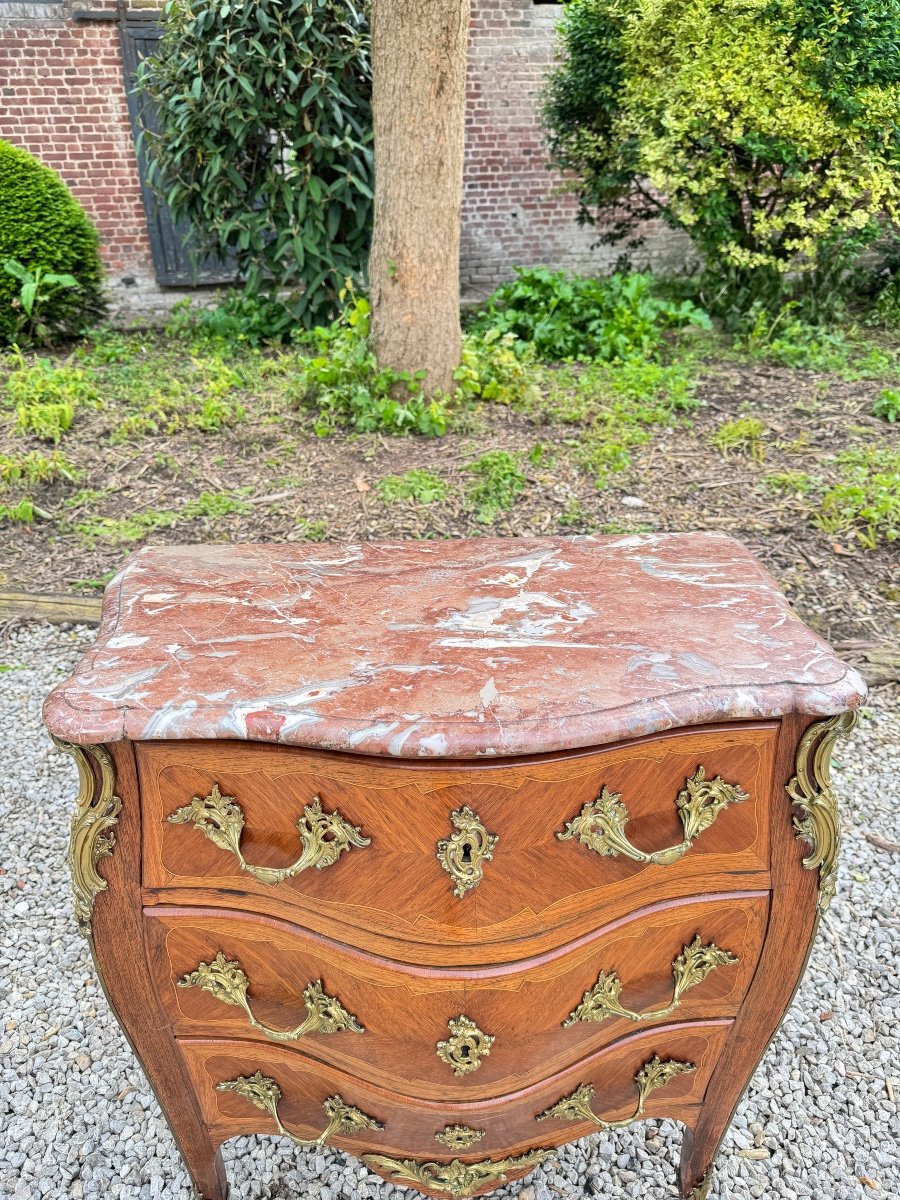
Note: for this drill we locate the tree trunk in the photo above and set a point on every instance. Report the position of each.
(419, 111)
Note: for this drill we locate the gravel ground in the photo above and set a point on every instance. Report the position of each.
(78, 1119)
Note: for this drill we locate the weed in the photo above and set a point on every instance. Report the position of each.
(106, 347)
(887, 405)
(22, 511)
(421, 486)
(345, 386)
(215, 413)
(311, 530)
(215, 505)
(791, 342)
(37, 289)
(796, 482)
(867, 498)
(572, 515)
(743, 435)
(47, 421)
(34, 467)
(498, 481)
(566, 316)
(133, 528)
(542, 454)
(494, 368)
(93, 585)
(43, 383)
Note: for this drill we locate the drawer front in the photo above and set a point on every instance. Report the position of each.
(409, 1128)
(398, 1027)
(442, 855)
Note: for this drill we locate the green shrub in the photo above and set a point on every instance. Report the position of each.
(264, 140)
(765, 129)
(43, 229)
(567, 316)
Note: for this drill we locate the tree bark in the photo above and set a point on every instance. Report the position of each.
(419, 111)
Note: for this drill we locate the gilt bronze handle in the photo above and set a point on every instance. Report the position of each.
(325, 836)
(227, 982)
(264, 1093)
(601, 823)
(652, 1075)
(691, 967)
(454, 1178)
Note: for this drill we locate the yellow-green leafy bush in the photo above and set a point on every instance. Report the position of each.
(766, 129)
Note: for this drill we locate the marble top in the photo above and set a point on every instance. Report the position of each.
(448, 649)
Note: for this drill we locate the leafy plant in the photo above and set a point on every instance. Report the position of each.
(47, 420)
(311, 530)
(37, 290)
(567, 316)
(264, 143)
(23, 511)
(241, 316)
(797, 482)
(867, 499)
(42, 382)
(498, 481)
(46, 240)
(423, 487)
(743, 435)
(494, 367)
(344, 385)
(887, 405)
(764, 129)
(34, 467)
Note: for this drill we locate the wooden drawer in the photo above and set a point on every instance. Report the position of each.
(535, 1010)
(392, 893)
(508, 1122)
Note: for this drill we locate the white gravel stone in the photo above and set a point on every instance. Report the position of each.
(77, 1119)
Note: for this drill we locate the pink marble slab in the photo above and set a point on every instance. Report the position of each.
(449, 649)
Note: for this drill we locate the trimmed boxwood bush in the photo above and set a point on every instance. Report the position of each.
(43, 225)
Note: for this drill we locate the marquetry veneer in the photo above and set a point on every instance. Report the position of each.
(448, 854)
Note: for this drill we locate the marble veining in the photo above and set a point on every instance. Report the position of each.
(450, 649)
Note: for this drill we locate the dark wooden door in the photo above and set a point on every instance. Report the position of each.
(172, 242)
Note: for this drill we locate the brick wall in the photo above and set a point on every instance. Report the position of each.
(62, 97)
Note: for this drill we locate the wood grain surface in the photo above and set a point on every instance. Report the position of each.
(405, 1010)
(393, 897)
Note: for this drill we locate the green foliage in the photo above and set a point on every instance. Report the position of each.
(265, 141)
(34, 468)
(796, 482)
(887, 405)
(867, 499)
(241, 316)
(498, 481)
(42, 382)
(743, 435)
(212, 506)
(788, 340)
(424, 487)
(765, 129)
(567, 316)
(311, 530)
(45, 240)
(37, 290)
(345, 387)
(22, 511)
(495, 367)
(47, 420)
